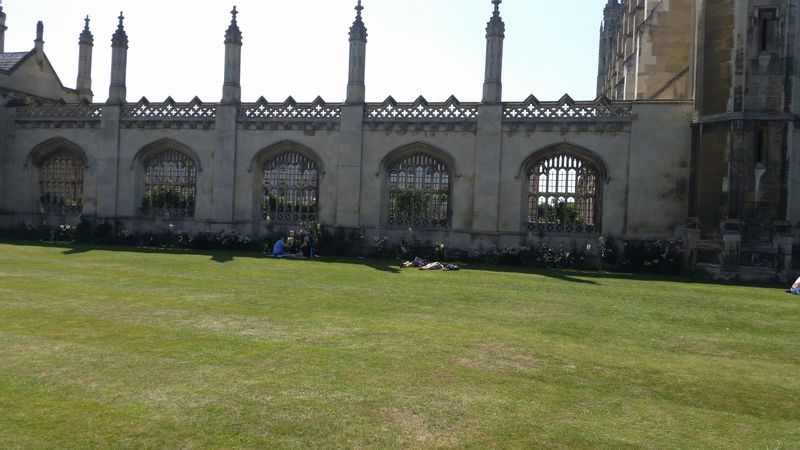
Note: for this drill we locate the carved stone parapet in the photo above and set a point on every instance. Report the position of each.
(290, 111)
(61, 111)
(567, 109)
(169, 110)
(59, 115)
(451, 112)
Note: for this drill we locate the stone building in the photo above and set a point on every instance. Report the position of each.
(736, 60)
(661, 153)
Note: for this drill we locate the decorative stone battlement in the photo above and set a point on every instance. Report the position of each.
(449, 115)
(451, 111)
(59, 114)
(61, 111)
(567, 109)
(290, 111)
(193, 111)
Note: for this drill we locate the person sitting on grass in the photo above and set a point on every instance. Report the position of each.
(305, 248)
(795, 289)
(279, 249)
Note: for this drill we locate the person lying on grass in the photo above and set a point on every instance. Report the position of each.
(416, 262)
(422, 265)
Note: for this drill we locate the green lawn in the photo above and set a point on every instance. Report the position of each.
(127, 348)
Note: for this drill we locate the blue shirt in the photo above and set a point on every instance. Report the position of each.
(279, 249)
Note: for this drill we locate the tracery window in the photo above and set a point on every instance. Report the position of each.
(291, 188)
(170, 184)
(766, 27)
(419, 191)
(61, 183)
(563, 194)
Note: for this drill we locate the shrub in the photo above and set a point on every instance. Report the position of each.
(63, 233)
(609, 252)
(652, 256)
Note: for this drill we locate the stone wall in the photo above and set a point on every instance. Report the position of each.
(644, 152)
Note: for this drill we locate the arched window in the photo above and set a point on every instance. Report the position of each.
(61, 182)
(291, 188)
(170, 184)
(419, 191)
(563, 194)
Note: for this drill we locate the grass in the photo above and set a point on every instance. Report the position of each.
(126, 348)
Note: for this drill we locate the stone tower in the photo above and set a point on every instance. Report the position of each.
(745, 152)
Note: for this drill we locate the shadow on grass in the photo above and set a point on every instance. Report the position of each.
(587, 277)
(219, 256)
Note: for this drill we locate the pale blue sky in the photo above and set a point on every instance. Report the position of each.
(433, 48)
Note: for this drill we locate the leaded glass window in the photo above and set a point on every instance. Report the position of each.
(563, 191)
(170, 184)
(291, 188)
(419, 191)
(61, 183)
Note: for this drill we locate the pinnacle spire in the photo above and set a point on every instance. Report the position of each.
(358, 31)
(39, 42)
(495, 33)
(358, 56)
(3, 28)
(496, 27)
(233, 35)
(120, 39)
(86, 35)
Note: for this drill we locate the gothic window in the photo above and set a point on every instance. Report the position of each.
(170, 184)
(61, 182)
(291, 188)
(419, 191)
(762, 139)
(563, 194)
(766, 18)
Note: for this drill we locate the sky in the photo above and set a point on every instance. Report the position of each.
(434, 48)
